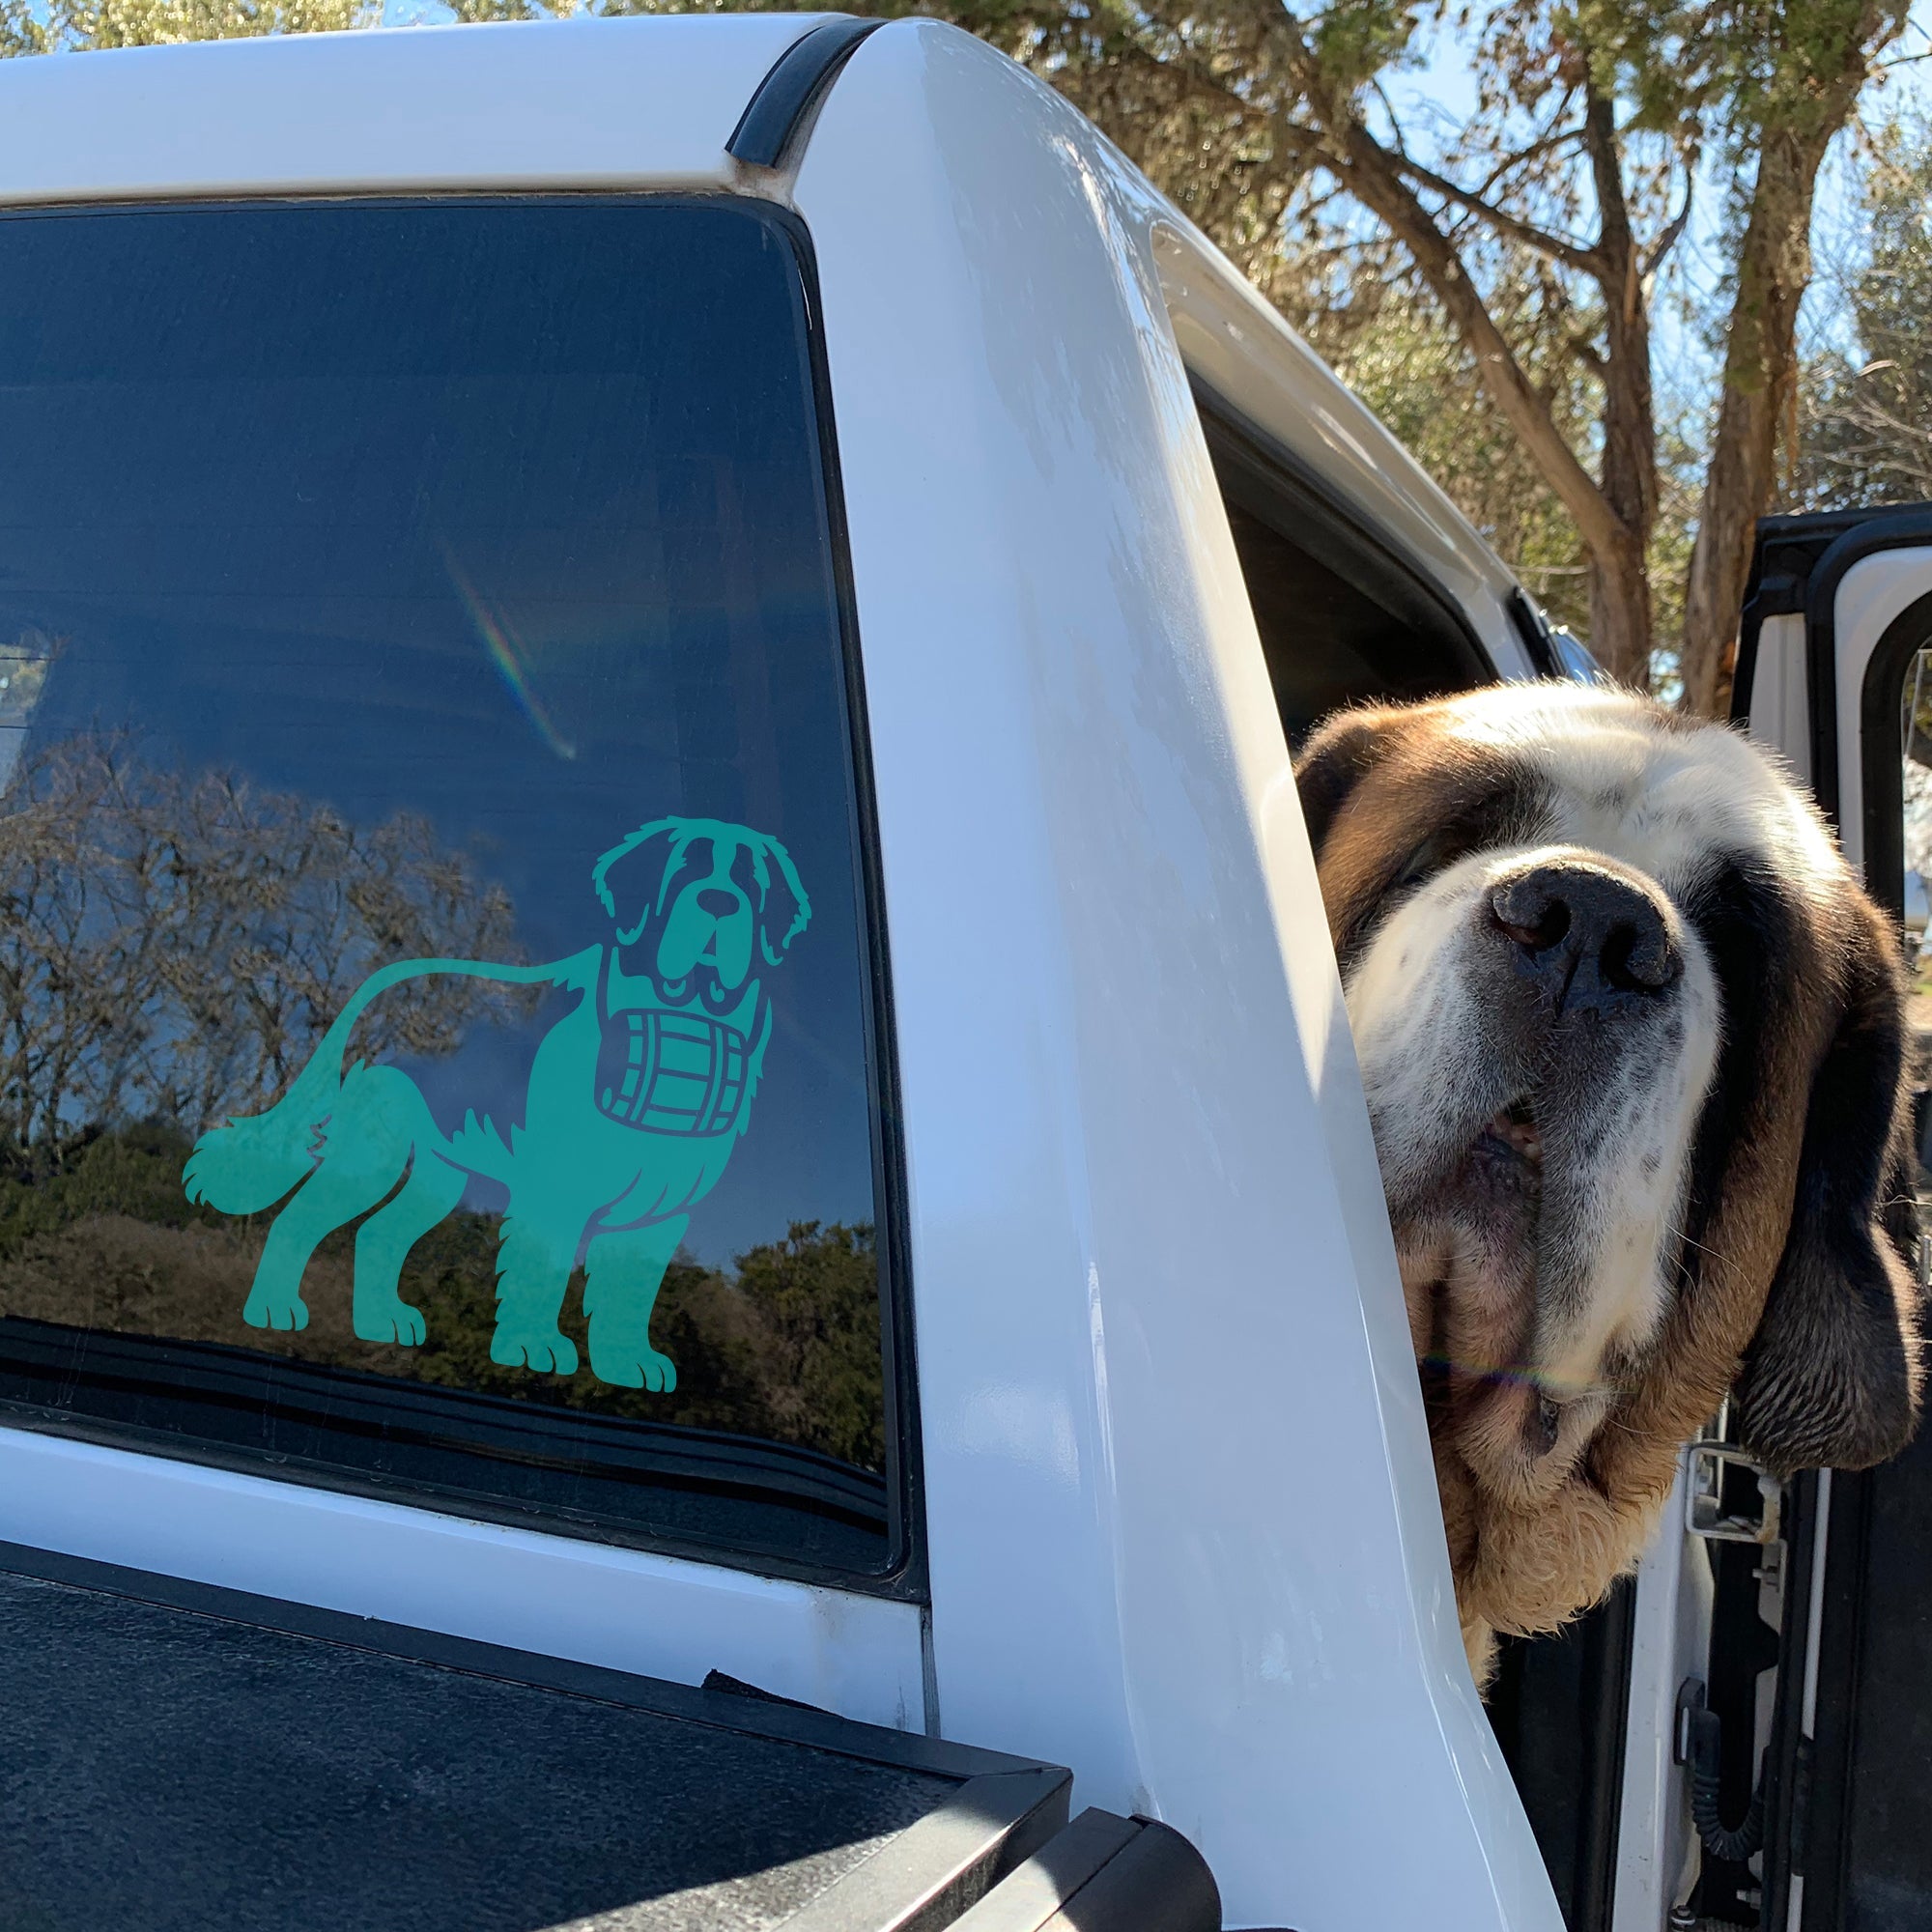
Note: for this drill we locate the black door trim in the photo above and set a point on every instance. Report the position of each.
(1798, 565)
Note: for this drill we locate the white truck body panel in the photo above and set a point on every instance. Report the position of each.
(593, 1603)
(1181, 1513)
(1876, 590)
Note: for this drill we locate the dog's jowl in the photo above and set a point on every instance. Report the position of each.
(636, 1099)
(1633, 1045)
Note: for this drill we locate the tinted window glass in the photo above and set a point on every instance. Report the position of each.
(438, 1041)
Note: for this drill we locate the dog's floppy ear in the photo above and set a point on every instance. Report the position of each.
(629, 878)
(1340, 752)
(1831, 1378)
(783, 910)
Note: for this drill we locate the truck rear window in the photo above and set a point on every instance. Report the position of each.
(440, 1052)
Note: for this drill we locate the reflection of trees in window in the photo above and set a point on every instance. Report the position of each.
(171, 946)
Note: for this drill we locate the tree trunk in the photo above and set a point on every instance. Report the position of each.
(1761, 354)
(1620, 632)
(1760, 374)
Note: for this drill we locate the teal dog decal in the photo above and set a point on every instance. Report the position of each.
(636, 1099)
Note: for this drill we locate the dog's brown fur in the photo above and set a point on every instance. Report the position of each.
(1795, 1287)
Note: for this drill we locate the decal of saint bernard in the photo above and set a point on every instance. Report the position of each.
(636, 1099)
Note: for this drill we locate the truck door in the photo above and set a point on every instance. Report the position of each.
(1836, 669)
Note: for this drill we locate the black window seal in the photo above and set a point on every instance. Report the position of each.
(905, 1496)
(904, 1575)
(1379, 564)
(1882, 755)
(783, 103)
(1532, 628)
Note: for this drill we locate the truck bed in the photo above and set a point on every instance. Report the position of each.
(174, 1757)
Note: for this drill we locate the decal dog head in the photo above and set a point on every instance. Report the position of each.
(701, 898)
(1633, 1045)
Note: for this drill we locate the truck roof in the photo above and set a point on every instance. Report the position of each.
(579, 103)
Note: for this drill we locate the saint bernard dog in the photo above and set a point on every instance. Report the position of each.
(1635, 1047)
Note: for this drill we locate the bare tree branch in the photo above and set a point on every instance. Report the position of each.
(1557, 247)
(1379, 179)
(1660, 249)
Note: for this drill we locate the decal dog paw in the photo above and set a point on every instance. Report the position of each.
(636, 1099)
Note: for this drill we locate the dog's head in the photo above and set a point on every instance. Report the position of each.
(1633, 1045)
(704, 902)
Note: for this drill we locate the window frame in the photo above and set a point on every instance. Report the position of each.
(904, 1574)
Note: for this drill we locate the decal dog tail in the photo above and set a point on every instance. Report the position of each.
(248, 1164)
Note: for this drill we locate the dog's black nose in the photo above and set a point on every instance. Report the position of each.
(716, 903)
(1585, 936)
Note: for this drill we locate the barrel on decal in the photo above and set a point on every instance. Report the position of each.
(671, 1072)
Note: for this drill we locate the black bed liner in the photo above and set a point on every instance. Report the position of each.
(175, 1757)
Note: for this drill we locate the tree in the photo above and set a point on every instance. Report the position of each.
(1539, 229)
(172, 946)
(1388, 340)
(65, 24)
(1794, 99)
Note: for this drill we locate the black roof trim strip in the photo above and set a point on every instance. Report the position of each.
(795, 85)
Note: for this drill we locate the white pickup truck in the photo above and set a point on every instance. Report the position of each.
(692, 627)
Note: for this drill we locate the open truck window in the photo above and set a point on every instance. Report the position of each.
(1342, 619)
(441, 1047)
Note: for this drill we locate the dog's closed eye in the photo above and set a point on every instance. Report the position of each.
(1423, 859)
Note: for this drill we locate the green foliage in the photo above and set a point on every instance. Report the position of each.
(1359, 40)
(72, 24)
(135, 1173)
(817, 1298)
